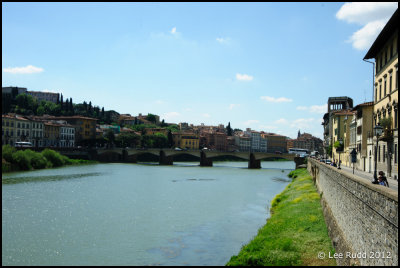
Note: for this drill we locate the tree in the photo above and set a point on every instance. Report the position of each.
(66, 106)
(151, 118)
(71, 106)
(160, 140)
(229, 129)
(110, 136)
(127, 140)
(170, 139)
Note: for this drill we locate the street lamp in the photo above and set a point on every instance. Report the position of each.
(377, 131)
(340, 150)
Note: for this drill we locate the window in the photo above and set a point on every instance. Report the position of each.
(390, 83)
(380, 91)
(395, 153)
(384, 88)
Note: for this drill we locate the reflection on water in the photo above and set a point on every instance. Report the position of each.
(44, 178)
(135, 214)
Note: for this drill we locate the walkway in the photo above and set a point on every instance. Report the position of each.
(393, 184)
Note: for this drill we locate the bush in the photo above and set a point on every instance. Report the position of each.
(7, 151)
(38, 161)
(54, 157)
(22, 160)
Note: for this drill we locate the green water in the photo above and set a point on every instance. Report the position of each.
(135, 214)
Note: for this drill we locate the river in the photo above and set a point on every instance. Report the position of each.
(136, 214)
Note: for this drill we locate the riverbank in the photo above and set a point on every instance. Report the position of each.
(25, 160)
(296, 231)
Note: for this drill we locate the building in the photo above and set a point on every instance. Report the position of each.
(258, 143)
(127, 120)
(44, 96)
(13, 90)
(243, 142)
(308, 142)
(15, 128)
(37, 130)
(384, 51)
(334, 104)
(51, 134)
(214, 140)
(276, 143)
(152, 131)
(85, 127)
(360, 130)
(186, 140)
(67, 134)
(341, 136)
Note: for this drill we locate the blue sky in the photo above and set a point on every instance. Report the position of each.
(267, 66)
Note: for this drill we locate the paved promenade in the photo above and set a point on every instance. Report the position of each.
(393, 184)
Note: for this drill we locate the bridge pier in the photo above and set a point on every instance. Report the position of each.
(204, 161)
(166, 160)
(299, 161)
(253, 162)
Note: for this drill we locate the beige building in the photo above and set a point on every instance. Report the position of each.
(360, 130)
(385, 52)
(341, 133)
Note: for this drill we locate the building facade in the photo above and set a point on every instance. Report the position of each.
(44, 96)
(384, 51)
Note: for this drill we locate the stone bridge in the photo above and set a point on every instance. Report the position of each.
(206, 157)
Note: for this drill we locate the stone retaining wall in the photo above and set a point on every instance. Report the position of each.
(362, 217)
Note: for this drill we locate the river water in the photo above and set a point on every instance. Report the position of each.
(136, 214)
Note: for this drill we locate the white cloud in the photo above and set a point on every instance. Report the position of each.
(173, 31)
(222, 40)
(30, 69)
(365, 37)
(365, 12)
(303, 123)
(250, 122)
(267, 127)
(159, 102)
(272, 99)
(281, 121)
(316, 109)
(171, 115)
(206, 115)
(232, 106)
(372, 16)
(244, 77)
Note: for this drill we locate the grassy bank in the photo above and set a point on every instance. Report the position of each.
(21, 160)
(296, 231)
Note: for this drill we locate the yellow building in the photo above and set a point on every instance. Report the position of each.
(384, 51)
(186, 140)
(15, 128)
(341, 133)
(152, 131)
(51, 134)
(85, 127)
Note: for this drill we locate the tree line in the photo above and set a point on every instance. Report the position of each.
(26, 104)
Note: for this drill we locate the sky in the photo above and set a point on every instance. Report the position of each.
(266, 66)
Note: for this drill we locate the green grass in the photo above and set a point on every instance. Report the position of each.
(294, 234)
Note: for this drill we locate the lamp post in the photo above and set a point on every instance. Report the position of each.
(377, 131)
(340, 150)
